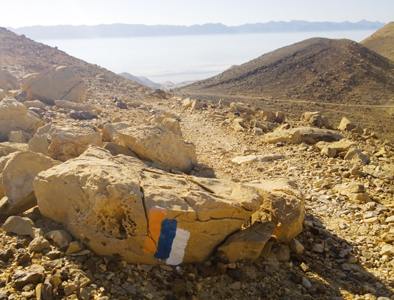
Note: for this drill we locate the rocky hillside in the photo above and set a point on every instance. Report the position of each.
(382, 41)
(334, 71)
(110, 191)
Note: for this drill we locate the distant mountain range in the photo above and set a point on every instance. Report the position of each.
(164, 86)
(135, 30)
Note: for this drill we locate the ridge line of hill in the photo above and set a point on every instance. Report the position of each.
(135, 30)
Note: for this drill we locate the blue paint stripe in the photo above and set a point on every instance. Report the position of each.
(167, 235)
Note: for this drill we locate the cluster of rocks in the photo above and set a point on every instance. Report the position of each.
(89, 200)
(113, 188)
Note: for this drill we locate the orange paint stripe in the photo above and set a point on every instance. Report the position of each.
(155, 217)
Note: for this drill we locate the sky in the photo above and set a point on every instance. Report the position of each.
(20, 13)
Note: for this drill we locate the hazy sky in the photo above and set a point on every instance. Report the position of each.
(19, 13)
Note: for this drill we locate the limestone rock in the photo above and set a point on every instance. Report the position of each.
(110, 131)
(172, 125)
(158, 144)
(358, 156)
(256, 158)
(347, 125)
(8, 81)
(34, 103)
(267, 116)
(38, 244)
(330, 152)
(15, 116)
(196, 105)
(19, 226)
(248, 243)
(342, 145)
(377, 172)
(7, 148)
(187, 102)
(283, 204)
(353, 190)
(284, 136)
(241, 108)
(110, 214)
(302, 134)
(18, 176)
(92, 109)
(60, 237)
(33, 275)
(56, 83)
(116, 149)
(315, 119)
(63, 143)
(18, 137)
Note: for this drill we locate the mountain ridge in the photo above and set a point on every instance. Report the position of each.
(136, 30)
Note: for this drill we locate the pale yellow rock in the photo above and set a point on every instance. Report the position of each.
(353, 190)
(56, 83)
(196, 105)
(34, 103)
(172, 125)
(158, 144)
(267, 116)
(187, 103)
(340, 146)
(283, 204)
(8, 81)
(285, 136)
(68, 142)
(98, 198)
(109, 131)
(346, 125)
(19, 137)
(93, 109)
(18, 175)
(7, 148)
(15, 116)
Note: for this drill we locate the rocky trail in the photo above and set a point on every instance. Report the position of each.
(123, 192)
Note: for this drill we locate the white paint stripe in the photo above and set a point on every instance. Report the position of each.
(178, 247)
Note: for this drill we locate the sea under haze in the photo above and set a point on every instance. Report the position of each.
(183, 58)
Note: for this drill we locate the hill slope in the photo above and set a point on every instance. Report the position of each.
(382, 41)
(21, 56)
(314, 69)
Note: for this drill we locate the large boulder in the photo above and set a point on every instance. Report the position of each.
(63, 143)
(15, 116)
(56, 83)
(18, 175)
(119, 206)
(158, 144)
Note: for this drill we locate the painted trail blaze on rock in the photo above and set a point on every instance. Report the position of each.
(178, 247)
(156, 215)
(167, 235)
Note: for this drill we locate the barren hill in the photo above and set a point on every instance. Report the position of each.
(315, 69)
(382, 41)
(21, 56)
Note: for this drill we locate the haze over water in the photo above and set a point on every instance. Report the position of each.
(181, 58)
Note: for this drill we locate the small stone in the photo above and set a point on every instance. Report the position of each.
(390, 219)
(319, 248)
(74, 247)
(235, 286)
(60, 237)
(296, 246)
(351, 259)
(19, 226)
(69, 289)
(304, 267)
(371, 220)
(306, 284)
(282, 252)
(386, 250)
(6, 255)
(38, 244)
